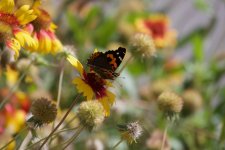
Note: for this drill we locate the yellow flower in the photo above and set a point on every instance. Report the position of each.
(157, 26)
(92, 86)
(11, 21)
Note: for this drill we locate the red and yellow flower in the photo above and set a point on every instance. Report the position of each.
(157, 26)
(11, 22)
(12, 116)
(43, 31)
(92, 86)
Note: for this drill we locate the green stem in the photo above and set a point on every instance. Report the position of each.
(13, 89)
(59, 94)
(7, 144)
(117, 144)
(55, 134)
(73, 137)
(222, 134)
(60, 87)
(59, 124)
(164, 137)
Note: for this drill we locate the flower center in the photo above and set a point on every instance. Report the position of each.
(97, 84)
(43, 20)
(9, 19)
(157, 28)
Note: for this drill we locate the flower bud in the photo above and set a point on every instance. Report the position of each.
(170, 103)
(143, 45)
(90, 114)
(44, 111)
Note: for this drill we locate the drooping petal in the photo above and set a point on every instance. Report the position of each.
(105, 105)
(107, 101)
(14, 45)
(24, 38)
(111, 97)
(84, 88)
(56, 44)
(45, 43)
(75, 62)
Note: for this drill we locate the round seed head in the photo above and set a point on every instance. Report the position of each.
(90, 114)
(43, 110)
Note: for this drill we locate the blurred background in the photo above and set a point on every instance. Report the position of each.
(188, 59)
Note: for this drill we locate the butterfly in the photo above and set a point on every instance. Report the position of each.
(105, 64)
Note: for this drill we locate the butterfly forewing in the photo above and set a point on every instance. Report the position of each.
(115, 58)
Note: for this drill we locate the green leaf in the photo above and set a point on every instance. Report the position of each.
(197, 42)
(201, 5)
(76, 28)
(103, 34)
(92, 15)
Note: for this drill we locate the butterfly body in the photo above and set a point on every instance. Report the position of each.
(105, 64)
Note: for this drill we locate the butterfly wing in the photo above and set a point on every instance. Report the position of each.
(115, 58)
(98, 59)
(106, 63)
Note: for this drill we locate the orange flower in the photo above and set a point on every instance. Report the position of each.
(157, 26)
(43, 31)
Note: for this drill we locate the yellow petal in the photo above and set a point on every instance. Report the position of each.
(109, 83)
(56, 46)
(84, 88)
(96, 50)
(45, 43)
(25, 15)
(110, 97)
(107, 102)
(53, 27)
(14, 45)
(75, 62)
(105, 105)
(7, 6)
(25, 39)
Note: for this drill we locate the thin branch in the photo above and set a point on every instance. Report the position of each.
(59, 124)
